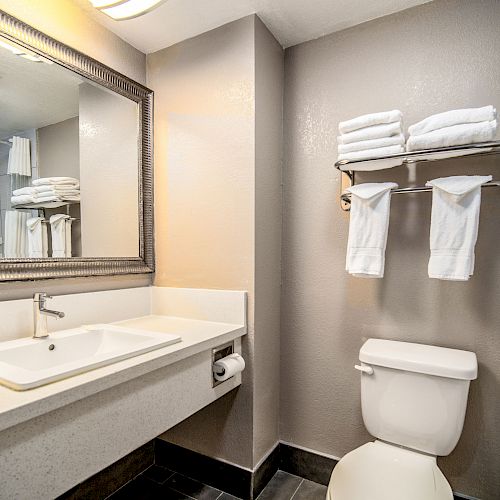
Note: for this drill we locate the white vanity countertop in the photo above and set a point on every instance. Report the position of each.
(197, 336)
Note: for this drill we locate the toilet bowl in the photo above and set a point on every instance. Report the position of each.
(413, 399)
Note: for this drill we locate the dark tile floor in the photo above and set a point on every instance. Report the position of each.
(161, 483)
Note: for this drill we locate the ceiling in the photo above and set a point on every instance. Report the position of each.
(291, 21)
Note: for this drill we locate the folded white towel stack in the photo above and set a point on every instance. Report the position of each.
(371, 136)
(48, 189)
(368, 228)
(60, 228)
(453, 128)
(456, 202)
(37, 238)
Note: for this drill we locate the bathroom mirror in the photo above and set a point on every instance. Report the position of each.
(75, 162)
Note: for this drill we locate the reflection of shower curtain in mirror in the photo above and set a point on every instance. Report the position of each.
(14, 224)
(19, 166)
(16, 235)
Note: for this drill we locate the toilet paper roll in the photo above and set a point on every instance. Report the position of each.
(227, 367)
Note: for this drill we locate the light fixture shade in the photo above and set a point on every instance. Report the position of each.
(13, 48)
(129, 9)
(101, 4)
(22, 52)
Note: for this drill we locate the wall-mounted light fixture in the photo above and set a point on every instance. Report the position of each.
(22, 52)
(125, 9)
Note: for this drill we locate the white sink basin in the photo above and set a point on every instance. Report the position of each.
(28, 363)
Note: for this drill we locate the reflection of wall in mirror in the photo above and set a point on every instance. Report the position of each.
(54, 152)
(59, 155)
(108, 174)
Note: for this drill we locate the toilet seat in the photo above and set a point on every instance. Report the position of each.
(381, 471)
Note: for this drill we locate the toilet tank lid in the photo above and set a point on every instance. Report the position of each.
(420, 358)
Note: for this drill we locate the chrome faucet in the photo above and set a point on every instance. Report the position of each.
(40, 315)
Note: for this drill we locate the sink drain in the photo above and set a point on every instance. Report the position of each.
(52, 347)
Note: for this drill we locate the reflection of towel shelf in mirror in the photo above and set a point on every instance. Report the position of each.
(348, 168)
(45, 205)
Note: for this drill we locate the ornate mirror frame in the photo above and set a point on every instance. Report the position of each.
(33, 269)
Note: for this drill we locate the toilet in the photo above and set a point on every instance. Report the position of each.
(413, 400)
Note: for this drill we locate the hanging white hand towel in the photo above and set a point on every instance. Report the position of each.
(453, 117)
(369, 120)
(368, 228)
(11, 235)
(58, 230)
(456, 202)
(69, 248)
(37, 238)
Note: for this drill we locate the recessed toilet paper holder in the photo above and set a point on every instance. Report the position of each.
(220, 352)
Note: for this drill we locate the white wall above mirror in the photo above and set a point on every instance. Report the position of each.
(75, 162)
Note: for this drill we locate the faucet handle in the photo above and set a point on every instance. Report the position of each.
(41, 296)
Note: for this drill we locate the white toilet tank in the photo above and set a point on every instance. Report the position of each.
(416, 395)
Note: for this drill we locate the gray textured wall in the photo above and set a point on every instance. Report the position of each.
(428, 59)
(58, 149)
(204, 191)
(269, 82)
(218, 132)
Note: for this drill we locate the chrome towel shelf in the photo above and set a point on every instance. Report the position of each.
(346, 197)
(348, 168)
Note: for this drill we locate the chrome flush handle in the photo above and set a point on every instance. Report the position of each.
(364, 369)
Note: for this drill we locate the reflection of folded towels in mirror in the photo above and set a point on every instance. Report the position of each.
(27, 199)
(37, 238)
(60, 228)
(47, 189)
(57, 181)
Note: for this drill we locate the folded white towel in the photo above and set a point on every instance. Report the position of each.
(395, 140)
(456, 135)
(58, 230)
(51, 189)
(456, 202)
(453, 117)
(24, 191)
(56, 180)
(57, 188)
(368, 228)
(22, 199)
(374, 132)
(371, 153)
(37, 238)
(25, 199)
(369, 120)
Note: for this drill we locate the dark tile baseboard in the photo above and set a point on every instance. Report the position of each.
(107, 481)
(229, 478)
(226, 477)
(241, 482)
(306, 464)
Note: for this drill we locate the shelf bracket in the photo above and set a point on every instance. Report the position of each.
(346, 181)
